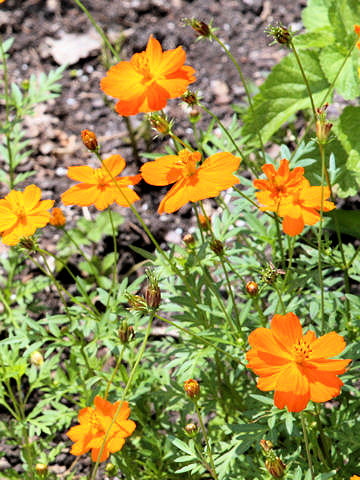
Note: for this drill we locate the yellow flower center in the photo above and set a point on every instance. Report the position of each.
(141, 65)
(301, 351)
(20, 212)
(101, 178)
(95, 422)
(188, 162)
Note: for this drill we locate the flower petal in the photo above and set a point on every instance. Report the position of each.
(293, 226)
(328, 345)
(292, 389)
(177, 197)
(31, 196)
(115, 164)
(163, 171)
(286, 329)
(81, 194)
(82, 173)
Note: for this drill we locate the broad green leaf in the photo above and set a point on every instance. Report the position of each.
(332, 59)
(349, 221)
(315, 15)
(343, 14)
(346, 130)
(284, 93)
(319, 38)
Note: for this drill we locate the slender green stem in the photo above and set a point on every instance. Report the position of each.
(48, 272)
(97, 28)
(352, 259)
(222, 126)
(230, 289)
(327, 94)
(308, 454)
(198, 222)
(208, 448)
(125, 391)
(209, 282)
(175, 138)
(344, 266)
(291, 245)
(119, 360)
(305, 79)
(9, 310)
(114, 279)
(201, 339)
(247, 91)
(58, 287)
(7, 110)
(283, 309)
(252, 202)
(28, 454)
(278, 233)
(321, 282)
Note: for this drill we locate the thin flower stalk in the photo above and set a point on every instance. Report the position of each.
(202, 339)
(118, 363)
(230, 288)
(321, 281)
(114, 279)
(307, 447)
(125, 391)
(7, 112)
(245, 85)
(204, 432)
(291, 43)
(325, 98)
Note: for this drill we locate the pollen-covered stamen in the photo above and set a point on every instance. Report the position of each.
(95, 422)
(301, 351)
(141, 64)
(20, 212)
(188, 162)
(101, 178)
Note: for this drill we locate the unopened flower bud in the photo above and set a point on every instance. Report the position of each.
(89, 140)
(279, 33)
(126, 333)
(160, 123)
(205, 222)
(192, 388)
(57, 218)
(275, 467)
(322, 126)
(266, 445)
(29, 244)
(188, 239)
(190, 98)
(191, 429)
(270, 274)
(111, 470)
(152, 291)
(252, 288)
(201, 28)
(36, 358)
(217, 247)
(41, 469)
(136, 302)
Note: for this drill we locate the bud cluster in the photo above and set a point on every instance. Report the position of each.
(273, 464)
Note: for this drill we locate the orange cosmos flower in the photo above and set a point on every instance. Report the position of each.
(98, 188)
(303, 207)
(150, 78)
(296, 366)
(94, 423)
(279, 184)
(57, 218)
(193, 183)
(357, 30)
(355, 477)
(21, 213)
